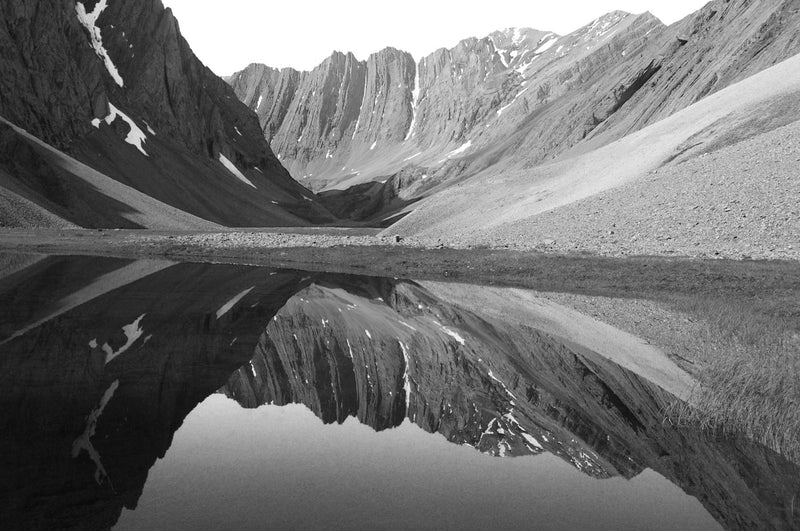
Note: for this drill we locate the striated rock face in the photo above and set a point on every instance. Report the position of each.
(441, 113)
(722, 43)
(516, 97)
(115, 85)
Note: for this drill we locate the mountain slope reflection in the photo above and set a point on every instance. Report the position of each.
(384, 351)
(103, 359)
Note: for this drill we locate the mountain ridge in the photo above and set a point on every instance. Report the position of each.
(516, 113)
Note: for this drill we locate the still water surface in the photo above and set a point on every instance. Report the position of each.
(193, 396)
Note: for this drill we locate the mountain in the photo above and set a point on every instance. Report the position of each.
(512, 100)
(128, 114)
(351, 121)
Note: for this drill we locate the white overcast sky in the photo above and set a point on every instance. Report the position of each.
(229, 35)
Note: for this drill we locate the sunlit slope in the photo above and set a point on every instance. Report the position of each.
(501, 208)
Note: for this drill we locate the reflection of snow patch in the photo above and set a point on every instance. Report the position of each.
(228, 306)
(84, 442)
(406, 377)
(532, 441)
(133, 332)
(509, 393)
(89, 21)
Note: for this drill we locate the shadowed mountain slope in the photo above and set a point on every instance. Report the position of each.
(114, 85)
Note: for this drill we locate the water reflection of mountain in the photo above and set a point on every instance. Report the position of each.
(102, 360)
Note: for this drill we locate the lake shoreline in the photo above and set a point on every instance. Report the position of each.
(363, 251)
(746, 310)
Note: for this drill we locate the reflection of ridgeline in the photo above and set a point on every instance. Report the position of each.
(92, 394)
(383, 352)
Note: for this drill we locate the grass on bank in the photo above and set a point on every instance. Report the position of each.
(749, 369)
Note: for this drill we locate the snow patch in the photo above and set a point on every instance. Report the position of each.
(546, 46)
(454, 335)
(231, 167)
(136, 136)
(132, 332)
(413, 156)
(368, 334)
(228, 306)
(373, 146)
(500, 111)
(237, 130)
(260, 100)
(457, 151)
(89, 21)
(414, 105)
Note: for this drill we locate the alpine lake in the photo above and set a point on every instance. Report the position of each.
(150, 394)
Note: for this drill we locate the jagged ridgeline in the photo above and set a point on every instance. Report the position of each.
(517, 96)
(137, 132)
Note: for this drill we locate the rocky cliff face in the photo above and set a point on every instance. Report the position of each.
(115, 85)
(518, 96)
(435, 113)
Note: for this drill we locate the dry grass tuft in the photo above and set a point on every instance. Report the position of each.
(750, 376)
